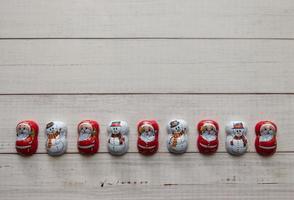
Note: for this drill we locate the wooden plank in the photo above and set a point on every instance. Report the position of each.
(161, 176)
(132, 108)
(145, 18)
(174, 192)
(146, 66)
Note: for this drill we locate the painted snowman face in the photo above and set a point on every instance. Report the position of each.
(23, 130)
(176, 127)
(147, 133)
(53, 132)
(115, 129)
(238, 132)
(86, 130)
(236, 128)
(208, 131)
(267, 132)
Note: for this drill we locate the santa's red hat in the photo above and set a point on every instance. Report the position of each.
(203, 122)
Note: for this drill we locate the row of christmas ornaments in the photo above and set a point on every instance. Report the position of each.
(148, 130)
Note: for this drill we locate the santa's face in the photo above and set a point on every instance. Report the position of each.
(267, 132)
(86, 130)
(23, 130)
(208, 131)
(147, 133)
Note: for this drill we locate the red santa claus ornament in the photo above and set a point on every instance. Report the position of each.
(148, 131)
(27, 137)
(207, 141)
(88, 140)
(265, 141)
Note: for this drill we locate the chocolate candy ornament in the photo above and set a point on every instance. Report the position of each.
(177, 140)
(265, 141)
(148, 131)
(118, 142)
(26, 137)
(88, 140)
(236, 141)
(56, 133)
(207, 141)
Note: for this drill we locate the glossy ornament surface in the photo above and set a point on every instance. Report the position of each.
(236, 141)
(118, 141)
(207, 141)
(265, 141)
(88, 137)
(148, 131)
(56, 142)
(177, 140)
(27, 137)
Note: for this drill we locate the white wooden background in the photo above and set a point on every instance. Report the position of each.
(110, 59)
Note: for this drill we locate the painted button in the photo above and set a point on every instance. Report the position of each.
(177, 140)
(236, 141)
(56, 133)
(118, 141)
(148, 131)
(207, 141)
(88, 140)
(265, 141)
(27, 137)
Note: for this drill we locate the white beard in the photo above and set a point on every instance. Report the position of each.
(266, 137)
(147, 136)
(22, 136)
(208, 137)
(84, 136)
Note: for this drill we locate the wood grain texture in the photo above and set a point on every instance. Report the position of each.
(190, 176)
(146, 18)
(73, 108)
(146, 66)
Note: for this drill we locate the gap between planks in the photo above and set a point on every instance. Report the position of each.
(146, 93)
(137, 38)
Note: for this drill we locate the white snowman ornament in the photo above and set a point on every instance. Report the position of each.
(118, 142)
(236, 141)
(177, 141)
(56, 142)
